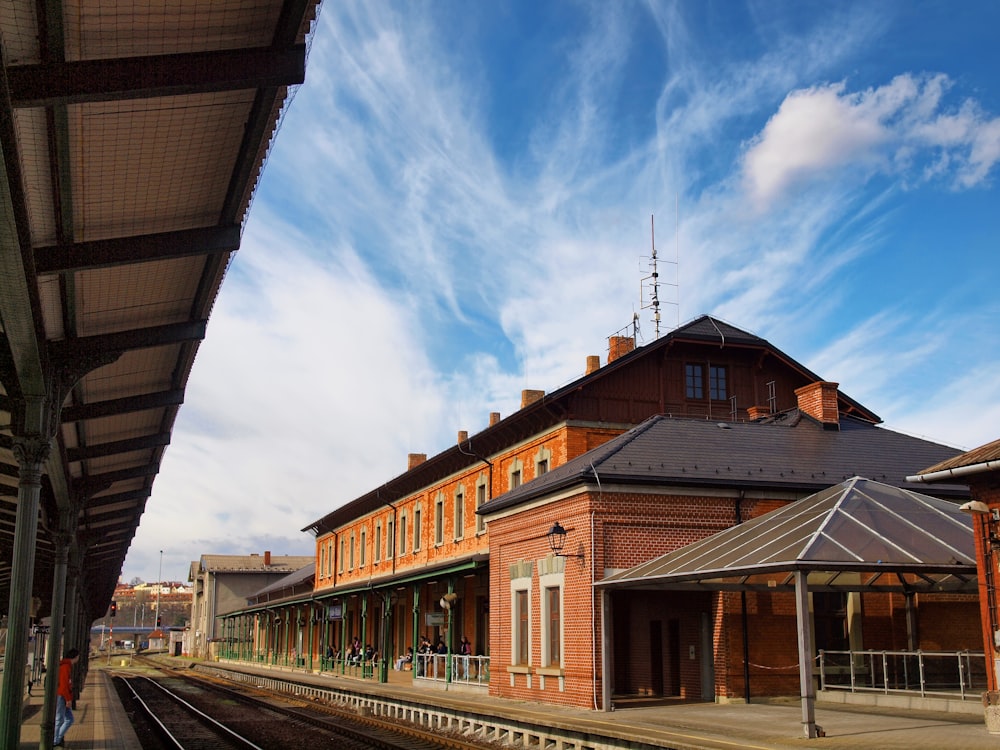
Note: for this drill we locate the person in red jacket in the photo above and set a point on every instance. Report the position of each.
(64, 696)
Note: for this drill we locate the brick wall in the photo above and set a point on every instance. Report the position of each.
(631, 528)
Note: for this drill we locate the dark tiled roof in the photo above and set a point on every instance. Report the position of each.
(713, 329)
(291, 581)
(539, 415)
(791, 452)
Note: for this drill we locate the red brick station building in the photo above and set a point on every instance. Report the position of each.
(554, 540)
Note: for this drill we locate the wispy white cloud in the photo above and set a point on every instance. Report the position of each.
(820, 131)
(401, 277)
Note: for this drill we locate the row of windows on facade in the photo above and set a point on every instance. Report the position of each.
(354, 548)
(551, 626)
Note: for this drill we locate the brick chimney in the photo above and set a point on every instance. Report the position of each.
(267, 557)
(819, 401)
(494, 417)
(619, 346)
(756, 413)
(463, 436)
(414, 459)
(529, 397)
(593, 363)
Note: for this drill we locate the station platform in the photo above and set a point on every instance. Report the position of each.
(100, 720)
(766, 725)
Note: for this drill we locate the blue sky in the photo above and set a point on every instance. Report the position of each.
(457, 207)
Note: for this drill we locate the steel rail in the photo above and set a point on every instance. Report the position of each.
(215, 725)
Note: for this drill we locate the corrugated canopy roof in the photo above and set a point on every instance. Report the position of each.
(857, 535)
(133, 136)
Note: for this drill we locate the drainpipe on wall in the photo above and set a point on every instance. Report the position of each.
(593, 597)
(743, 611)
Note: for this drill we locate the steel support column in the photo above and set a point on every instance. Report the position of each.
(55, 645)
(31, 453)
(808, 694)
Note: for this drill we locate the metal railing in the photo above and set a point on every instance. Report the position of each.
(365, 669)
(950, 673)
(473, 670)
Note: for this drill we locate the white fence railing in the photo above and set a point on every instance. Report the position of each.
(951, 673)
(474, 670)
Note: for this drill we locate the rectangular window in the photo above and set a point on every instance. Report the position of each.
(390, 540)
(329, 557)
(693, 385)
(343, 543)
(351, 566)
(364, 539)
(554, 625)
(542, 467)
(515, 479)
(378, 542)
(521, 625)
(402, 535)
(717, 383)
(439, 522)
(459, 514)
(480, 500)
(417, 530)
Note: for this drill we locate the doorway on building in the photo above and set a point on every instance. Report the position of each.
(674, 656)
(656, 656)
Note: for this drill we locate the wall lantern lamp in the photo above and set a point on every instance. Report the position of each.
(974, 507)
(557, 540)
(991, 516)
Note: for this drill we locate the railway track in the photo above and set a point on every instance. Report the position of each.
(195, 712)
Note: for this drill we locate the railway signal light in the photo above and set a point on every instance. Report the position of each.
(114, 608)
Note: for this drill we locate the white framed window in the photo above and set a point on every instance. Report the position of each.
(402, 534)
(481, 498)
(439, 519)
(343, 548)
(522, 626)
(543, 461)
(418, 530)
(378, 543)
(515, 474)
(364, 547)
(329, 556)
(521, 574)
(551, 585)
(459, 512)
(552, 626)
(322, 559)
(390, 539)
(351, 553)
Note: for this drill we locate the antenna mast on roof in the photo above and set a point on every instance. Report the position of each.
(649, 292)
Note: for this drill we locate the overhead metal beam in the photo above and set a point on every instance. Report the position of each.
(138, 338)
(75, 82)
(116, 406)
(134, 496)
(110, 477)
(81, 256)
(118, 446)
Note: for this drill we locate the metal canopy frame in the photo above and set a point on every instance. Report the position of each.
(859, 535)
(132, 137)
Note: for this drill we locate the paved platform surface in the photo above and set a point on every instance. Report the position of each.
(101, 723)
(771, 725)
